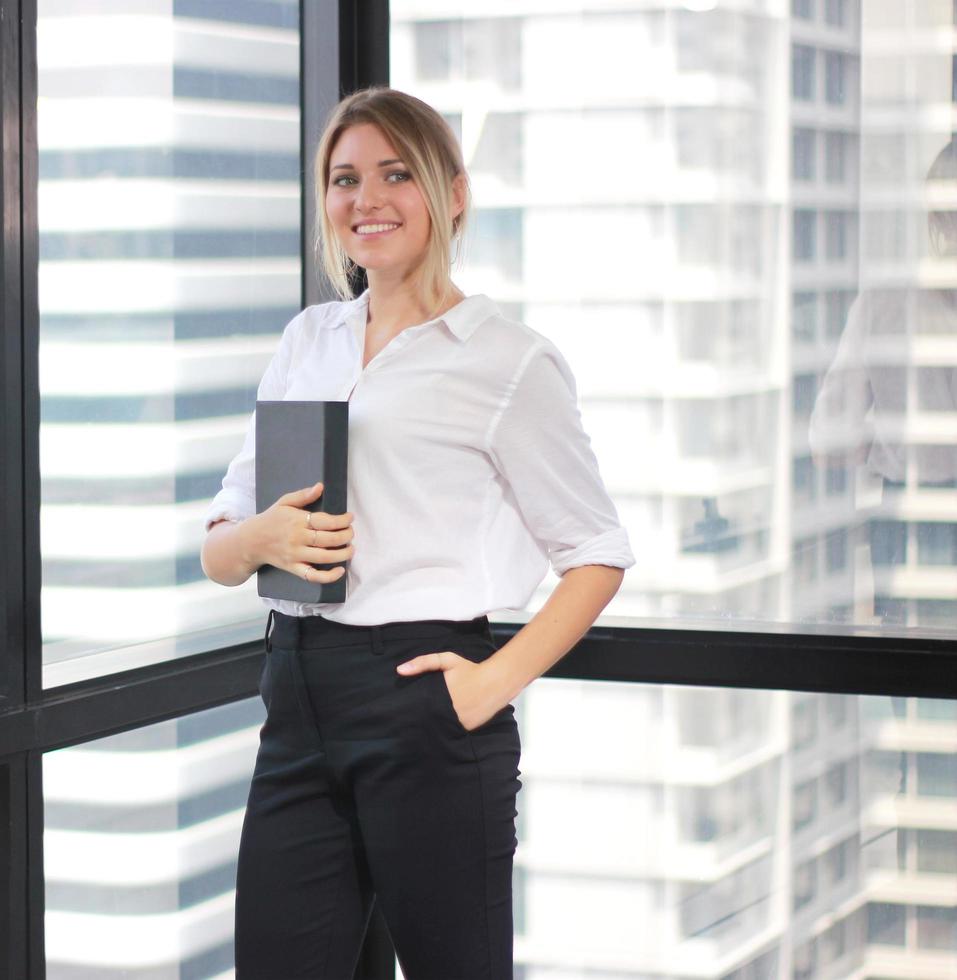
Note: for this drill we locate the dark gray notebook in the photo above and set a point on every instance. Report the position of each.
(299, 444)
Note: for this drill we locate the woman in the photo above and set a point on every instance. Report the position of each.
(388, 763)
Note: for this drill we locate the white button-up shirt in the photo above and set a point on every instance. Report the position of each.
(469, 469)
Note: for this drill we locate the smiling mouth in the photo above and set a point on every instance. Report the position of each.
(375, 229)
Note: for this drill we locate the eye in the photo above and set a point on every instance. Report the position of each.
(340, 181)
(402, 175)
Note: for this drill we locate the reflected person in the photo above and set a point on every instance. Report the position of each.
(865, 413)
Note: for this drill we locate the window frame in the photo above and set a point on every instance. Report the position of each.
(343, 46)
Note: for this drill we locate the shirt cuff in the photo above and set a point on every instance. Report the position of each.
(228, 506)
(608, 548)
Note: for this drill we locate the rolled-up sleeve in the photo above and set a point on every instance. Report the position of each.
(237, 499)
(538, 444)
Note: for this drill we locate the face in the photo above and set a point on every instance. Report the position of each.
(374, 205)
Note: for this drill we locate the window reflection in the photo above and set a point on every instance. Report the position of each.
(802, 822)
(140, 843)
(169, 262)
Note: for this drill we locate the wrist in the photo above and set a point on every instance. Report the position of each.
(248, 543)
(502, 679)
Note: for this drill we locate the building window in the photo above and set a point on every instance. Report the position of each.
(937, 849)
(936, 774)
(480, 49)
(936, 543)
(804, 394)
(805, 805)
(835, 157)
(937, 466)
(835, 863)
(836, 551)
(835, 12)
(804, 317)
(888, 542)
(835, 69)
(935, 389)
(835, 241)
(886, 924)
(805, 246)
(835, 476)
(937, 613)
(802, 476)
(805, 884)
(803, 9)
(803, 151)
(835, 785)
(804, 722)
(802, 72)
(836, 305)
(936, 927)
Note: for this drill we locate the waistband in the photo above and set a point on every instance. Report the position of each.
(315, 632)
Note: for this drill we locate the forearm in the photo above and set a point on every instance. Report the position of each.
(226, 556)
(570, 611)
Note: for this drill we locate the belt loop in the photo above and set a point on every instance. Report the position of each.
(269, 622)
(375, 635)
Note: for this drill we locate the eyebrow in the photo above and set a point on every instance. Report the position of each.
(349, 166)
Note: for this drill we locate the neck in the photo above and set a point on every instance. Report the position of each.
(398, 303)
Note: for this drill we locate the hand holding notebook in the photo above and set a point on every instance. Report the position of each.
(298, 444)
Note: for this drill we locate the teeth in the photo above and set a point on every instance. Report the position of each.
(372, 229)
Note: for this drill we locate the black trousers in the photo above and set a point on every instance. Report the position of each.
(367, 787)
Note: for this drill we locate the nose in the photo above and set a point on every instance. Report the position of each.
(369, 196)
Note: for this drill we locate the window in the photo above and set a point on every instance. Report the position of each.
(804, 721)
(804, 317)
(836, 306)
(835, 476)
(805, 805)
(802, 72)
(835, 71)
(886, 924)
(836, 551)
(805, 884)
(169, 239)
(836, 863)
(805, 247)
(936, 850)
(937, 543)
(936, 774)
(835, 224)
(803, 478)
(888, 542)
(488, 49)
(202, 194)
(835, 785)
(835, 12)
(121, 845)
(803, 152)
(935, 391)
(937, 928)
(835, 157)
(804, 394)
(937, 466)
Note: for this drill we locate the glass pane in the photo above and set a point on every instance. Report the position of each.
(169, 209)
(718, 834)
(752, 271)
(140, 844)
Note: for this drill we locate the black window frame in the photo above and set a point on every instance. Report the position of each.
(343, 46)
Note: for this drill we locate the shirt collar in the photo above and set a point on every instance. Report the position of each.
(462, 320)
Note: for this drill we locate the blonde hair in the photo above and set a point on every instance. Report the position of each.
(426, 144)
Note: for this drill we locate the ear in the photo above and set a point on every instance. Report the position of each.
(458, 195)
